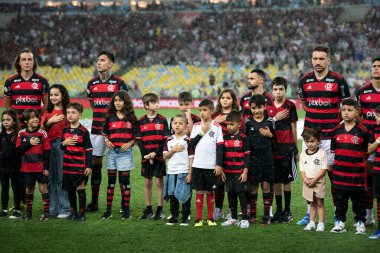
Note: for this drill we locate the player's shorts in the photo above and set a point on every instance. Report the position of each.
(98, 144)
(233, 183)
(30, 179)
(203, 179)
(157, 169)
(285, 169)
(72, 181)
(371, 158)
(326, 146)
(119, 160)
(261, 173)
(376, 185)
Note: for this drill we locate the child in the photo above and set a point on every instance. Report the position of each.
(350, 144)
(284, 114)
(375, 147)
(54, 121)
(259, 131)
(10, 163)
(152, 131)
(207, 138)
(33, 144)
(313, 166)
(180, 156)
(119, 132)
(227, 102)
(236, 157)
(77, 161)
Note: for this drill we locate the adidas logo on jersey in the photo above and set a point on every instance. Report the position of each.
(309, 87)
(18, 87)
(113, 125)
(290, 176)
(24, 139)
(96, 88)
(368, 98)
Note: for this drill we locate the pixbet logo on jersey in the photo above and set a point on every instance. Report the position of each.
(371, 115)
(26, 99)
(319, 102)
(101, 102)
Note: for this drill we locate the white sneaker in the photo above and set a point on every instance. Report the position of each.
(360, 228)
(228, 215)
(309, 227)
(169, 217)
(62, 216)
(370, 221)
(229, 222)
(339, 227)
(320, 227)
(243, 224)
(218, 214)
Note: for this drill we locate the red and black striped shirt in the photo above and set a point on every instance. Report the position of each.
(322, 99)
(34, 157)
(118, 130)
(374, 137)
(368, 98)
(285, 141)
(350, 148)
(26, 94)
(78, 157)
(246, 108)
(151, 135)
(236, 153)
(101, 94)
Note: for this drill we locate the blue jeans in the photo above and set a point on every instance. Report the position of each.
(59, 200)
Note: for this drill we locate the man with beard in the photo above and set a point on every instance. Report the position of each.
(321, 92)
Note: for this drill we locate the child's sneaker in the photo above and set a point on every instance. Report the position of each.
(218, 214)
(370, 222)
(159, 215)
(80, 217)
(211, 223)
(72, 216)
(169, 217)
(62, 216)
(252, 219)
(147, 214)
(198, 223)
(172, 221)
(92, 207)
(310, 226)
(27, 216)
(15, 214)
(126, 214)
(320, 227)
(360, 228)
(229, 215)
(45, 216)
(287, 217)
(107, 214)
(243, 224)
(3, 214)
(265, 220)
(305, 220)
(277, 217)
(339, 227)
(185, 221)
(229, 222)
(375, 235)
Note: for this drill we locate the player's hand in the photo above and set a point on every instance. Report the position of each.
(152, 155)
(56, 118)
(220, 118)
(218, 170)
(306, 181)
(187, 113)
(282, 115)
(265, 131)
(45, 172)
(178, 148)
(125, 146)
(70, 141)
(188, 178)
(109, 144)
(34, 141)
(223, 177)
(297, 157)
(243, 177)
(205, 127)
(87, 172)
(313, 182)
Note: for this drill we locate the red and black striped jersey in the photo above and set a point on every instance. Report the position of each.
(236, 153)
(151, 135)
(374, 137)
(33, 158)
(322, 99)
(78, 157)
(246, 108)
(350, 148)
(26, 94)
(118, 130)
(101, 94)
(368, 98)
(285, 140)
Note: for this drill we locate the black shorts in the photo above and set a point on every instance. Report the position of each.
(259, 174)
(233, 183)
(72, 181)
(157, 169)
(370, 181)
(203, 179)
(376, 185)
(285, 169)
(30, 179)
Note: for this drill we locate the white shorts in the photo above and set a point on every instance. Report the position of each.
(326, 146)
(98, 145)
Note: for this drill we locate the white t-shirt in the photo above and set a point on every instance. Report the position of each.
(179, 161)
(313, 164)
(205, 151)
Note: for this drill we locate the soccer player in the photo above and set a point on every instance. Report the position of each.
(152, 132)
(100, 90)
(285, 151)
(368, 98)
(349, 143)
(321, 92)
(207, 138)
(26, 89)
